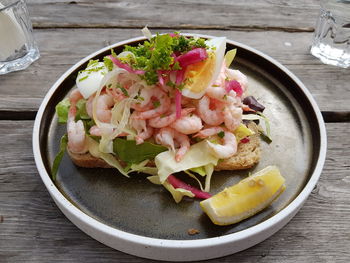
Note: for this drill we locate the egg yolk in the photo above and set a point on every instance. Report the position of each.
(199, 75)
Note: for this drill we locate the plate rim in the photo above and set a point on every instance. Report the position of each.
(110, 234)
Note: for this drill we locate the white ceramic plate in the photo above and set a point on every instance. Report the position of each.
(153, 226)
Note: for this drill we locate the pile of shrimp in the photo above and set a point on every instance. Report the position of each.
(154, 117)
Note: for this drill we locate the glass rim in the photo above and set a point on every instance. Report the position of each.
(10, 5)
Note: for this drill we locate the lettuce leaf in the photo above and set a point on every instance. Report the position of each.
(81, 111)
(177, 193)
(259, 116)
(209, 169)
(198, 155)
(195, 178)
(62, 109)
(59, 156)
(141, 167)
(199, 170)
(130, 152)
(230, 55)
(108, 158)
(242, 131)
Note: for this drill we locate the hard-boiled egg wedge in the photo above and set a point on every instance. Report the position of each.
(200, 75)
(88, 80)
(248, 197)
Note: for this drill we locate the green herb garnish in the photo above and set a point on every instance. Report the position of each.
(156, 54)
(85, 77)
(221, 134)
(156, 104)
(92, 63)
(108, 63)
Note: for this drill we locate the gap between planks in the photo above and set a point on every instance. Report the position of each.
(181, 27)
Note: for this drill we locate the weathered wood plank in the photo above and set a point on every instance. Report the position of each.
(61, 48)
(33, 229)
(190, 14)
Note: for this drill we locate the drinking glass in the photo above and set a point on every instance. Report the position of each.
(18, 48)
(331, 42)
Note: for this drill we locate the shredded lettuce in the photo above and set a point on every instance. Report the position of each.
(177, 193)
(209, 169)
(142, 168)
(198, 155)
(59, 156)
(195, 178)
(230, 55)
(108, 158)
(154, 179)
(146, 32)
(130, 152)
(81, 111)
(259, 116)
(62, 109)
(199, 170)
(242, 131)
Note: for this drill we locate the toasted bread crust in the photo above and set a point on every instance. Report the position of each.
(87, 160)
(248, 154)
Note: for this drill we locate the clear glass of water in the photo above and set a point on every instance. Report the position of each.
(18, 48)
(331, 42)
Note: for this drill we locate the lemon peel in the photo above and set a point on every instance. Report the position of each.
(248, 197)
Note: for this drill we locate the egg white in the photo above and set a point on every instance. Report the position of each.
(217, 46)
(88, 82)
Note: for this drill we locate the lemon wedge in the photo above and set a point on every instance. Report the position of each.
(248, 197)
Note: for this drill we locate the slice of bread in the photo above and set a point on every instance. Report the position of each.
(248, 154)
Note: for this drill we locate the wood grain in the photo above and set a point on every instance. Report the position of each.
(62, 48)
(34, 230)
(296, 15)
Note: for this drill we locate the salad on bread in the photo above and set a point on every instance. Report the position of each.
(168, 105)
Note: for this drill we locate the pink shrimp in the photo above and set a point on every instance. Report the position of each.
(160, 106)
(144, 100)
(208, 132)
(167, 136)
(104, 105)
(75, 130)
(232, 117)
(212, 117)
(116, 93)
(227, 149)
(163, 121)
(145, 134)
(188, 124)
(88, 105)
(143, 131)
(239, 76)
(96, 131)
(217, 89)
(216, 92)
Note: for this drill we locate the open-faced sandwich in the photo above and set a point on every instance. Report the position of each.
(171, 104)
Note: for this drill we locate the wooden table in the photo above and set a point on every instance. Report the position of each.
(33, 229)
